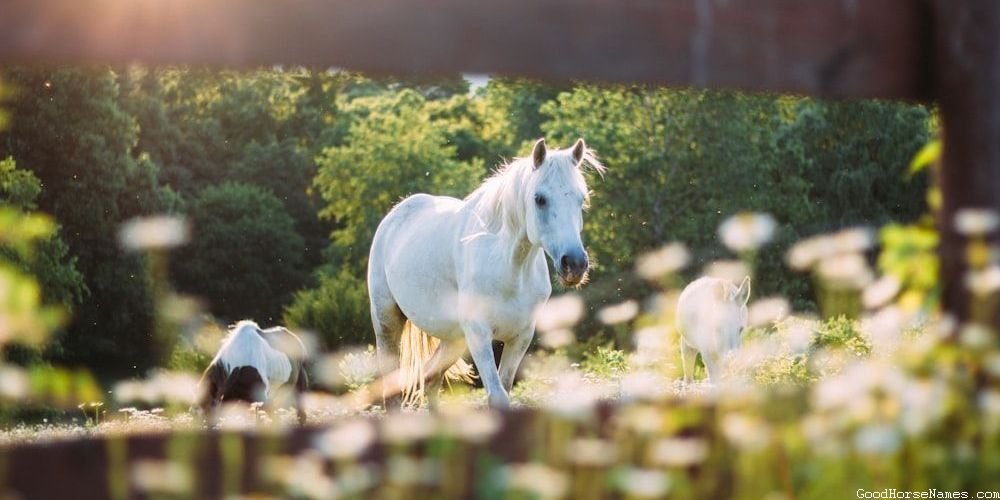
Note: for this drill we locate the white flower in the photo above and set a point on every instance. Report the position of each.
(619, 313)
(767, 311)
(731, 270)
(160, 231)
(985, 281)
(560, 312)
(974, 221)
(346, 441)
(878, 439)
(643, 483)
(14, 382)
(555, 339)
(159, 476)
(746, 432)
(542, 480)
(645, 386)
(679, 452)
(591, 452)
(407, 427)
(846, 271)
(572, 397)
(857, 239)
(747, 231)
(880, 292)
(470, 424)
(667, 259)
(805, 253)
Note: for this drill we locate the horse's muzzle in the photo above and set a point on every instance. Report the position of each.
(573, 268)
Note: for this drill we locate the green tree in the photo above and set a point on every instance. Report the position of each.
(393, 150)
(245, 256)
(68, 128)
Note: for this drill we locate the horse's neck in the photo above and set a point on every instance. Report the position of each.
(522, 253)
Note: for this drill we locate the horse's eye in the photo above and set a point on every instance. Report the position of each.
(540, 200)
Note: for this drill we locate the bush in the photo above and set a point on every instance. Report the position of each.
(337, 311)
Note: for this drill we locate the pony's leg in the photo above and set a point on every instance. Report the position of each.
(712, 366)
(688, 357)
(510, 360)
(480, 339)
(447, 353)
(388, 321)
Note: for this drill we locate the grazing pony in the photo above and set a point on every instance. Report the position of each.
(472, 271)
(251, 364)
(711, 316)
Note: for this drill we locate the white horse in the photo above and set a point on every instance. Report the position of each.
(251, 364)
(711, 316)
(472, 271)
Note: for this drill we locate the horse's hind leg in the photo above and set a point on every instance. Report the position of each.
(388, 321)
(447, 353)
(688, 357)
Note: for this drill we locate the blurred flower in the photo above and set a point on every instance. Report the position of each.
(572, 397)
(805, 253)
(559, 312)
(767, 311)
(976, 221)
(403, 470)
(307, 477)
(407, 427)
(470, 424)
(679, 452)
(745, 431)
(591, 452)
(346, 441)
(14, 383)
(159, 476)
(846, 271)
(155, 232)
(644, 385)
(643, 483)
(851, 240)
(667, 259)
(984, 282)
(731, 270)
(558, 338)
(878, 439)
(747, 231)
(642, 419)
(618, 313)
(880, 292)
(538, 479)
(975, 336)
(989, 402)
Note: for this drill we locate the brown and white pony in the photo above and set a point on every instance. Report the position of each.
(251, 364)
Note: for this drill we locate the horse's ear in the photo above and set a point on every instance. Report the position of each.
(538, 153)
(742, 294)
(578, 149)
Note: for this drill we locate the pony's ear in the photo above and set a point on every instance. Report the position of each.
(538, 153)
(742, 294)
(578, 149)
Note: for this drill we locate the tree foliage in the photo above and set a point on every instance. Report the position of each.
(245, 257)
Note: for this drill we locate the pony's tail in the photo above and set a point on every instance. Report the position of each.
(415, 348)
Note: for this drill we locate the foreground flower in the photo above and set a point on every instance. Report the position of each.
(666, 260)
(156, 232)
(559, 312)
(747, 231)
(540, 480)
(618, 313)
(346, 441)
(976, 221)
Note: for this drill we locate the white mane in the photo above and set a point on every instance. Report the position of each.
(500, 200)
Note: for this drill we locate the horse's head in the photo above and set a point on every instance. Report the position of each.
(555, 202)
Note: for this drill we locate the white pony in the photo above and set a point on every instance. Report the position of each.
(711, 316)
(251, 364)
(472, 271)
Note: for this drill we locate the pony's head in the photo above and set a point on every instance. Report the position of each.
(733, 312)
(554, 202)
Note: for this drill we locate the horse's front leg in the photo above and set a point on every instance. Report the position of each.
(513, 353)
(479, 336)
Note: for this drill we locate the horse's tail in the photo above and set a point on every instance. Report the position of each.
(415, 348)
